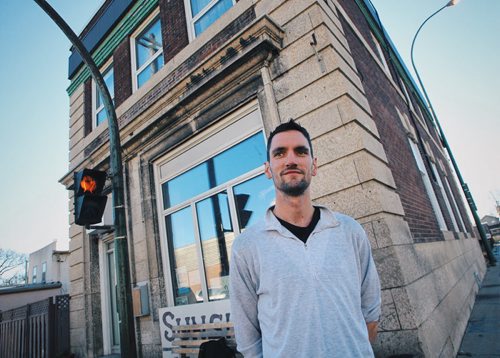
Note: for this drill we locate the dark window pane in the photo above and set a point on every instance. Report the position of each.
(185, 186)
(252, 198)
(240, 159)
(217, 235)
(183, 256)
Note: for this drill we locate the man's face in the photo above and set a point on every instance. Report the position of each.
(290, 163)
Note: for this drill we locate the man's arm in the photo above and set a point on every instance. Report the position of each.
(244, 308)
(370, 288)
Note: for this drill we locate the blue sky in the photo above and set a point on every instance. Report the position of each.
(457, 54)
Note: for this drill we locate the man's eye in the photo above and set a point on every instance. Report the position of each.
(278, 154)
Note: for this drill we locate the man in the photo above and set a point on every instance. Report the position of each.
(303, 281)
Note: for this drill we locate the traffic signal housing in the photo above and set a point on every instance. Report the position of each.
(88, 199)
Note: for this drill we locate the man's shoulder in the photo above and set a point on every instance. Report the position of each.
(245, 240)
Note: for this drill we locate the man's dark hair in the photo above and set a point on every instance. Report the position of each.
(291, 125)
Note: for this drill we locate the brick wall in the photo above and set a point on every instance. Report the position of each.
(384, 100)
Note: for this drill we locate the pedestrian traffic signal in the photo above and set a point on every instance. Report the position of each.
(88, 199)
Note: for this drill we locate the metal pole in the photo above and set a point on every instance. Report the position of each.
(444, 142)
(124, 293)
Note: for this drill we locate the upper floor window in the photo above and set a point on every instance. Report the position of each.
(380, 53)
(44, 272)
(202, 13)
(100, 114)
(33, 278)
(147, 47)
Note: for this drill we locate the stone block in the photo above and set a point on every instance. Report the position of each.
(368, 227)
(388, 267)
(398, 343)
(77, 319)
(76, 288)
(288, 10)
(389, 320)
(404, 308)
(369, 168)
(324, 90)
(364, 200)
(78, 341)
(333, 177)
(76, 272)
(77, 303)
(346, 140)
(391, 230)
(76, 257)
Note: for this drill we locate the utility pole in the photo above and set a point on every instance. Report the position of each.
(124, 292)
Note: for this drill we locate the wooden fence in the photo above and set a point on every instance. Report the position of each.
(37, 330)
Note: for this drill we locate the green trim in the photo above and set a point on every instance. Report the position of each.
(134, 17)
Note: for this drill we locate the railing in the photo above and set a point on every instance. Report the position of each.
(37, 330)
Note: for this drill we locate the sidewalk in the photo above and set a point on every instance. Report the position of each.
(482, 336)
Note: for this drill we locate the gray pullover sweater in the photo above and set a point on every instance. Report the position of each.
(290, 299)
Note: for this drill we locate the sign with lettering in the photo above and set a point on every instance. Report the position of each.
(198, 313)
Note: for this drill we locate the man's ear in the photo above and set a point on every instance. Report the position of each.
(267, 170)
(314, 170)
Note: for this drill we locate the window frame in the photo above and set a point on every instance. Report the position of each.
(34, 274)
(190, 20)
(44, 272)
(107, 322)
(431, 194)
(109, 65)
(155, 15)
(209, 139)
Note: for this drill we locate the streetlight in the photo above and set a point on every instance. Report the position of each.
(124, 292)
(464, 185)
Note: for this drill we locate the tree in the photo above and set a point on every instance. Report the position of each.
(12, 267)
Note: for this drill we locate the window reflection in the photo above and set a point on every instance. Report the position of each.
(252, 199)
(211, 15)
(183, 257)
(149, 49)
(217, 235)
(233, 162)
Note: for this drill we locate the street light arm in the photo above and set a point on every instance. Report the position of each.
(444, 142)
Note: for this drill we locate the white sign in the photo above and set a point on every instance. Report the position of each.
(198, 313)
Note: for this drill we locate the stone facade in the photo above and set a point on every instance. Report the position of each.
(317, 62)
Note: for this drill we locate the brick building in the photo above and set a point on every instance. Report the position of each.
(197, 86)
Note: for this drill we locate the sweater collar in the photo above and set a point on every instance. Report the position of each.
(327, 220)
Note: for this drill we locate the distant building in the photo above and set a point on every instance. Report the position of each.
(197, 87)
(49, 265)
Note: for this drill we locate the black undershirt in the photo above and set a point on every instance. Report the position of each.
(302, 233)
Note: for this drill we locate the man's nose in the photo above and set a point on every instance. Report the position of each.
(291, 159)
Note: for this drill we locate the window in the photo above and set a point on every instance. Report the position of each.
(206, 205)
(447, 183)
(445, 196)
(44, 272)
(33, 279)
(428, 186)
(147, 52)
(99, 114)
(202, 13)
(380, 53)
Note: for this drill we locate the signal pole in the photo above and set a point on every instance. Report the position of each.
(124, 292)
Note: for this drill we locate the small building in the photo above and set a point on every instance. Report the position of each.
(49, 265)
(197, 87)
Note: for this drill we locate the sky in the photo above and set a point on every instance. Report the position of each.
(457, 53)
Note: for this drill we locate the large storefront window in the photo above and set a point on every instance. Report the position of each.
(205, 207)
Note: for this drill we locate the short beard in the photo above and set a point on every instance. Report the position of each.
(294, 190)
